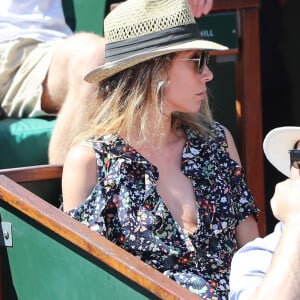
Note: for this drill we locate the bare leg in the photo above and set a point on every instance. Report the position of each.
(66, 91)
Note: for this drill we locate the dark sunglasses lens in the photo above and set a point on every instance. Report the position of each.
(203, 61)
(295, 158)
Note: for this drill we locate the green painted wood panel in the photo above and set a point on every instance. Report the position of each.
(221, 92)
(220, 27)
(41, 266)
(85, 15)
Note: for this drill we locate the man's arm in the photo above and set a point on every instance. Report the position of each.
(282, 279)
(271, 268)
(251, 263)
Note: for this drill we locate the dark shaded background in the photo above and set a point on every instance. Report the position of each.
(280, 61)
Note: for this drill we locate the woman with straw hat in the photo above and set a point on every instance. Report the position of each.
(152, 171)
(268, 268)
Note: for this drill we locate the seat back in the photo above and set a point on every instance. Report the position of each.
(83, 15)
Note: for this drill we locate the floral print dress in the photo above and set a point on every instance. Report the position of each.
(126, 208)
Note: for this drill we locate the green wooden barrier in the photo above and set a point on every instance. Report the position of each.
(41, 265)
(52, 256)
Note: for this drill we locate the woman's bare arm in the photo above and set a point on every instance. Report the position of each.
(79, 176)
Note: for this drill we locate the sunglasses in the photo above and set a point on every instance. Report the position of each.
(295, 158)
(202, 61)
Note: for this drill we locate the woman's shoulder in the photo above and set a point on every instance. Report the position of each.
(226, 139)
(80, 154)
(105, 141)
(218, 129)
(216, 132)
(220, 139)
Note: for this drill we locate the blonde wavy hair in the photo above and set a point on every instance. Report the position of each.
(126, 101)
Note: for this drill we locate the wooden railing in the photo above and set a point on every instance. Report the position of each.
(22, 201)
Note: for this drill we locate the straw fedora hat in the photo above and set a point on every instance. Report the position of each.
(277, 144)
(139, 30)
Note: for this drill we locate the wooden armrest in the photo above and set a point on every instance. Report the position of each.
(33, 173)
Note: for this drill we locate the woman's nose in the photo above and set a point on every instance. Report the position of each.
(207, 74)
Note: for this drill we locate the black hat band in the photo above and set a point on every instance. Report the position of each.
(152, 41)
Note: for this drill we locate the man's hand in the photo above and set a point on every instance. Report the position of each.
(285, 202)
(200, 7)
